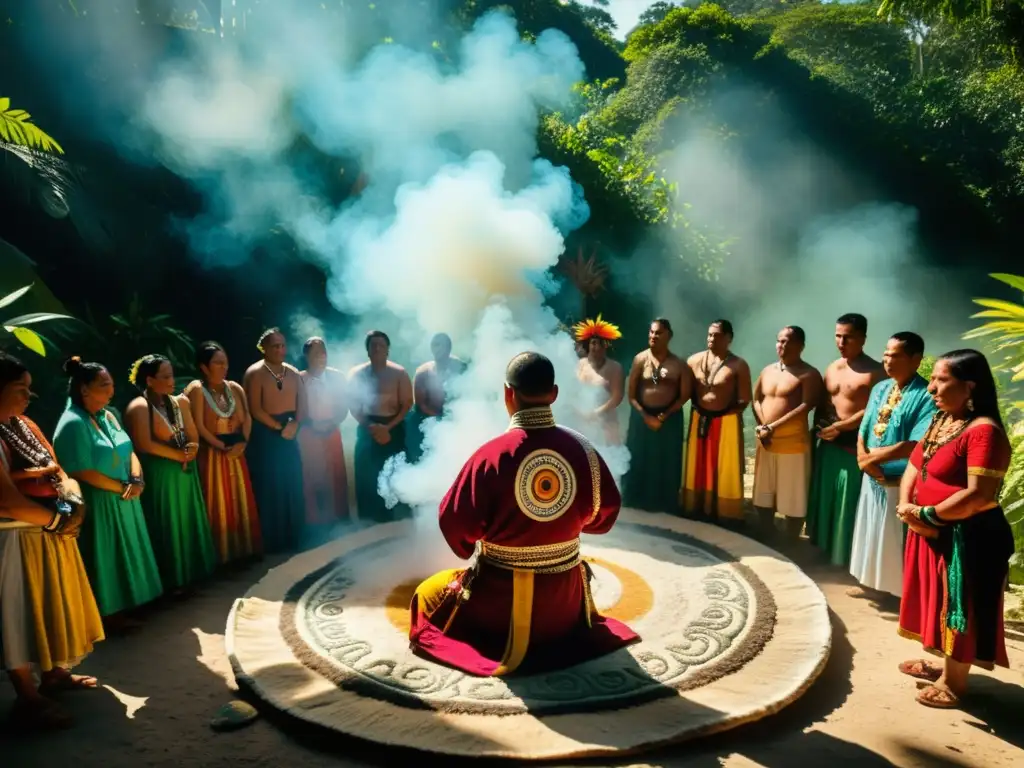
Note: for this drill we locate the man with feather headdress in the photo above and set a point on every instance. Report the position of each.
(598, 370)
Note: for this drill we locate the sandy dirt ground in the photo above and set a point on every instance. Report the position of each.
(163, 683)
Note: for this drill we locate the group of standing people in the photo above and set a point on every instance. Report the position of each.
(115, 512)
(895, 477)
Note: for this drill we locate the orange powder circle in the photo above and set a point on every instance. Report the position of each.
(635, 600)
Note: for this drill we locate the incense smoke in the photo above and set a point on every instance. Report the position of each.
(457, 229)
(808, 240)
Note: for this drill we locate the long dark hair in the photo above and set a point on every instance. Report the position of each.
(205, 353)
(971, 365)
(80, 375)
(11, 369)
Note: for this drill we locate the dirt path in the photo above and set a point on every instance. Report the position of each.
(169, 679)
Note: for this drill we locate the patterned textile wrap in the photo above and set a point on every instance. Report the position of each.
(64, 620)
(521, 501)
(713, 480)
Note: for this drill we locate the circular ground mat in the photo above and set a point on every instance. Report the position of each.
(731, 632)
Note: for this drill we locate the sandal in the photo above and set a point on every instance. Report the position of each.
(68, 682)
(39, 714)
(921, 670)
(938, 698)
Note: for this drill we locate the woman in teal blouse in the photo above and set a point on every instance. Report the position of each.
(94, 448)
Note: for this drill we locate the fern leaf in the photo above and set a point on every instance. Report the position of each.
(17, 128)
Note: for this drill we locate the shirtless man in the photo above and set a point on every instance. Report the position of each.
(713, 482)
(658, 387)
(785, 394)
(835, 485)
(277, 405)
(382, 396)
(430, 391)
(599, 371)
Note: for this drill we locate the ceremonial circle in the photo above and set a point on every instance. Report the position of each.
(731, 632)
(545, 486)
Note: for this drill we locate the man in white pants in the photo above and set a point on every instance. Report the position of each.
(785, 394)
(896, 418)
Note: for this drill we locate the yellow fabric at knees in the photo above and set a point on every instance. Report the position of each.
(519, 623)
(690, 455)
(432, 591)
(65, 620)
(730, 468)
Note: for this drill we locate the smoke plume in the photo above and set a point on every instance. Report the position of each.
(808, 240)
(456, 230)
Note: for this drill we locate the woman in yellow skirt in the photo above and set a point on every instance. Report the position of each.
(55, 621)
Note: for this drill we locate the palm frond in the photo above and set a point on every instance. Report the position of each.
(17, 128)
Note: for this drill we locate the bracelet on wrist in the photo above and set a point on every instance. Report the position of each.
(929, 516)
(55, 523)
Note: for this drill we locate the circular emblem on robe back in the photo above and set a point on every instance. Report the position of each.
(545, 486)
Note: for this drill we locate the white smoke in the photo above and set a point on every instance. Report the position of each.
(456, 230)
(808, 241)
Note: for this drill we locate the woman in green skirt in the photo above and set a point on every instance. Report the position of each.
(93, 448)
(164, 434)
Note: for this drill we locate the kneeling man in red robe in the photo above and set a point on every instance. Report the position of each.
(520, 503)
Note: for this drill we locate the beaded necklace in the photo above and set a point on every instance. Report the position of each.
(23, 441)
(887, 410)
(179, 439)
(225, 410)
(20, 438)
(943, 429)
(710, 373)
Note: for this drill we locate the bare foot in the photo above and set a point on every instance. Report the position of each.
(57, 680)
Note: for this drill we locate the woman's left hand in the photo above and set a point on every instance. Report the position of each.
(907, 512)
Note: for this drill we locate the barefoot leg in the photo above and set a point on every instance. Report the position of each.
(954, 676)
(60, 679)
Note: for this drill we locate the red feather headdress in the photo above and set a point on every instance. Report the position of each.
(599, 329)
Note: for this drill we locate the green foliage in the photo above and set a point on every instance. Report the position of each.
(18, 328)
(1003, 336)
(16, 127)
(1003, 330)
(142, 334)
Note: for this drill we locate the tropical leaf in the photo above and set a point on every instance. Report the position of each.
(36, 317)
(12, 297)
(28, 339)
(16, 127)
(1014, 281)
(1007, 308)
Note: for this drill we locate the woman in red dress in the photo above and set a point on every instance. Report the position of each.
(959, 543)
